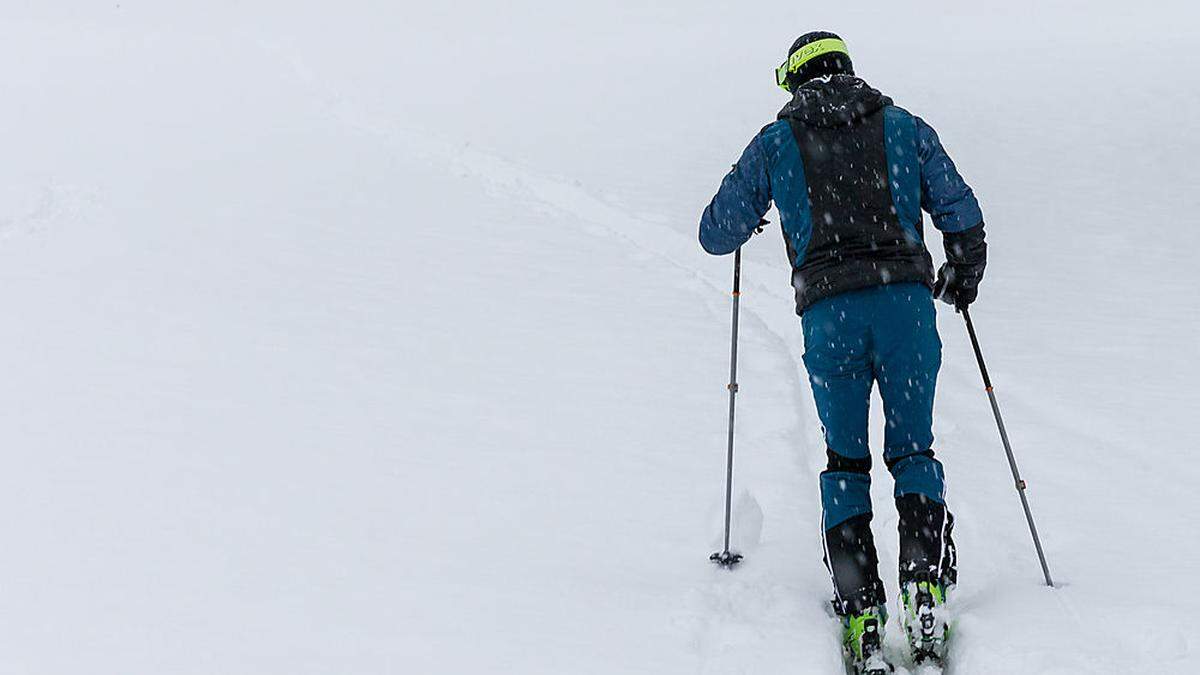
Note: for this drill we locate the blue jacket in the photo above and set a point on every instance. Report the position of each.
(850, 174)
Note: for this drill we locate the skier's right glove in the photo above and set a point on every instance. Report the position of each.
(966, 257)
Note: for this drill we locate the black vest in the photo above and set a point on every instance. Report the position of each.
(857, 239)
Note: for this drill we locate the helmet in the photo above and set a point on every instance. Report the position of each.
(813, 55)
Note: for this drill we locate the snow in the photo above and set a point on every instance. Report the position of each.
(374, 338)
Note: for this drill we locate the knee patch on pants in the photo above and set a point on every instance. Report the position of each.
(845, 489)
(919, 474)
(847, 464)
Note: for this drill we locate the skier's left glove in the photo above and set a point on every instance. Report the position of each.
(966, 257)
(956, 285)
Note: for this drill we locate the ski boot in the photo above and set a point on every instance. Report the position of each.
(862, 642)
(923, 603)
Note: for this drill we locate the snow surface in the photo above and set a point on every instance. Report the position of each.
(367, 337)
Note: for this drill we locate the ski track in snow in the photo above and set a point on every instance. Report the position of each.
(733, 609)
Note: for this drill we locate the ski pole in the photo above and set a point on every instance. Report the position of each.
(1012, 462)
(725, 558)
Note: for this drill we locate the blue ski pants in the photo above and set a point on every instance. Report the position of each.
(886, 335)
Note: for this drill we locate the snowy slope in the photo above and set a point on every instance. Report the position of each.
(375, 339)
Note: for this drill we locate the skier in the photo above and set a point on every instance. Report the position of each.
(850, 172)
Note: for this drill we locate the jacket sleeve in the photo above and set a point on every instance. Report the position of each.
(742, 200)
(944, 193)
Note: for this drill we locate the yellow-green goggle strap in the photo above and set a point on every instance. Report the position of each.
(805, 54)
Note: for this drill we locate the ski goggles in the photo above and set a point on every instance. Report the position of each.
(805, 54)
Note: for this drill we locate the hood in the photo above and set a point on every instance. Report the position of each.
(836, 101)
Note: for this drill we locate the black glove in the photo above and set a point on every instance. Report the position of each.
(966, 257)
(956, 286)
